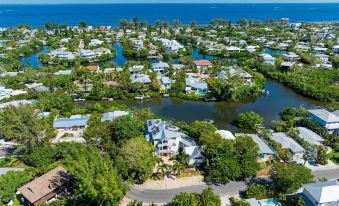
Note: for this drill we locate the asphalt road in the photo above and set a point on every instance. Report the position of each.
(164, 196)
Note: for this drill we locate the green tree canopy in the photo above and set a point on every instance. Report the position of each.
(289, 178)
(135, 160)
(249, 120)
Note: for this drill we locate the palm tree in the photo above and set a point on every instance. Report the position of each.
(176, 23)
(163, 168)
(124, 23)
(136, 22)
(177, 167)
(193, 24)
(158, 24)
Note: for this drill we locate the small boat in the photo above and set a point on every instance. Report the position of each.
(166, 95)
(265, 92)
(140, 98)
(209, 121)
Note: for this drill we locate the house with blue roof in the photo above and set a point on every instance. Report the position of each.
(321, 193)
(166, 83)
(69, 123)
(194, 85)
(159, 67)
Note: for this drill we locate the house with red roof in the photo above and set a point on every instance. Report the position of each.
(203, 65)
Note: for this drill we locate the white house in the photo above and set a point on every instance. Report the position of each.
(289, 143)
(310, 136)
(267, 58)
(166, 83)
(167, 140)
(291, 56)
(320, 50)
(322, 193)
(102, 51)
(95, 42)
(159, 67)
(225, 134)
(87, 54)
(325, 118)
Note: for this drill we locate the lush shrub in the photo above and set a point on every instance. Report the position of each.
(249, 120)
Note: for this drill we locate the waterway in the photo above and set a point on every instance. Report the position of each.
(34, 59)
(224, 113)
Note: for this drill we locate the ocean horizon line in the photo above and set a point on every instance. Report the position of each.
(189, 3)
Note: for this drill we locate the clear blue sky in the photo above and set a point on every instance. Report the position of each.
(160, 1)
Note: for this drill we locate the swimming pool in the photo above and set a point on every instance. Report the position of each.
(269, 202)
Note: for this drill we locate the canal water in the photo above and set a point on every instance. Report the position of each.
(34, 59)
(224, 113)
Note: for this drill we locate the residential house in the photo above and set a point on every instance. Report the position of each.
(289, 143)
(225, 134)
(283, 46)
(232, 49)
(110, 116)
(267, 58)
(136, 69)
(44, 188)
(194, 85)
(95, 42)
(63, 72)
(159, 67)
(252, 48)
(291, 56)
(38, 87)
(137, 44)
(102, 51)
(15, 103)
(7, 148)
(235, 71)
(167, 140)
(93, 68)
(5, 170)
(310, 136)
(335, 49)
(7, 93)
(265, 151)
(325, 118)
(61, 54)
(286, 66)
(203, 65)
(166, 83)
(324, 58)
(321, 193)
(320, 50)
(69, 123)
(87, 54)
(141, 78)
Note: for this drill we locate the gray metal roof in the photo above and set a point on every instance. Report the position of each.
(263, 147)
(287, 142)
(324, 115)
(75, 120)
(310, 136)
(5, 170)
(324, 192)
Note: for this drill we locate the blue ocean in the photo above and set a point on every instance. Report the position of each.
(110, 14)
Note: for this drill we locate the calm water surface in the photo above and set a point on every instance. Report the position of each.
(33, 59)
(110, 14)
(223, 113)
